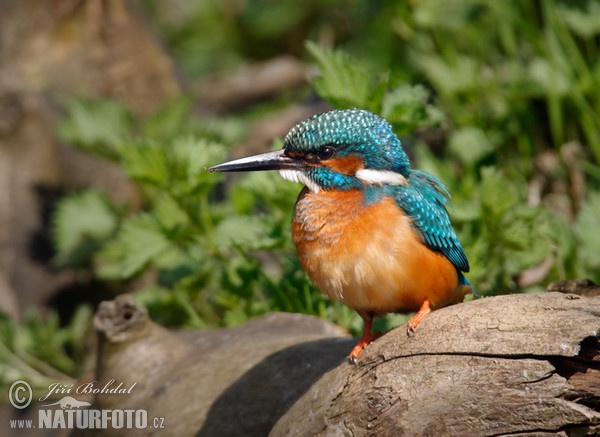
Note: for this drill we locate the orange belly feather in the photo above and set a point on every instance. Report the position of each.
(368, 256)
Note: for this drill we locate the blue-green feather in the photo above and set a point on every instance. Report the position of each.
(424, 200)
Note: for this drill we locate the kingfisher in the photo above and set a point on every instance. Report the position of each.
(370, 231)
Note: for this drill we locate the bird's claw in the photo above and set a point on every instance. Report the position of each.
(416, 319)
(364, 341)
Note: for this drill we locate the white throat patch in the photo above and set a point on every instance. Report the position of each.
(299, 176)
(380, 177)
(366, 176)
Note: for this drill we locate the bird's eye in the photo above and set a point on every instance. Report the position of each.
(326, 152)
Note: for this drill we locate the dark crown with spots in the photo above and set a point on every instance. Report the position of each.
(350, 132)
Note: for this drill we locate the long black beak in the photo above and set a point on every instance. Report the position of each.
(265, 161)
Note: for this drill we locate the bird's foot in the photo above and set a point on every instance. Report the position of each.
(364, 341)
(416, 319)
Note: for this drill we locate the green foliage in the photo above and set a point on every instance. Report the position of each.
(408, 108)
(470, 145)
(203, 253)
(520, 71)
(506, 231)
(81, 223)
(511, 68)
(587, 235)
(140, 240)
(95, 126)
(41, 351)
(346, 82)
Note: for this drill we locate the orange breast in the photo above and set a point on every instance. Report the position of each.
(368, 257)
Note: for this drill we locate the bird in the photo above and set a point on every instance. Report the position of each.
(370, 231)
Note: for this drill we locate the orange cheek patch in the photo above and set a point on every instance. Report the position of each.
(348, 165)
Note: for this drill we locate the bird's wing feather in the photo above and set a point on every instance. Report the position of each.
(424, 200)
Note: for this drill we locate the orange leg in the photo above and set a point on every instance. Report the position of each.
(366, 339)
(416, 319)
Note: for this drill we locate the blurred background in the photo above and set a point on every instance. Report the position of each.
(110, 110)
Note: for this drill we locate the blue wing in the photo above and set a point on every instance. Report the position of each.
(424, 200)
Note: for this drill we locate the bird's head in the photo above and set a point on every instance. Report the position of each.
(336, 150)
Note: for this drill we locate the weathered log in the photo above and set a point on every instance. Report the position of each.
(582, 287)
(503, 365)
(519, 365)
(235, 381)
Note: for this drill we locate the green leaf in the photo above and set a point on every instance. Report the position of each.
(345, 82)
(447, 14)
(450, 78)
(250, 232)
(497, 194)
(176, 166)
(79, 225)
(168, 212)
(145, 161)
(586, 231)
(228, 130)
(169, 120)
(269, 189)
(189, 156)
(140, 240)
(96, 126)
(470, 145)
(547, 78)
(585, 21)
(165, 306)
(407, 108)
(45, 339)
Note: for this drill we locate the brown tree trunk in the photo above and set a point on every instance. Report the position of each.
(508, 365)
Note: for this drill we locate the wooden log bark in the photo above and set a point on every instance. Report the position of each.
(507, 365)
(235, 381)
